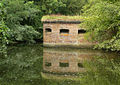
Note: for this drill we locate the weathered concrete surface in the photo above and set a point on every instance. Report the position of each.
(55, 38)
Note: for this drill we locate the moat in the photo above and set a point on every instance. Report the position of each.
(36, 65)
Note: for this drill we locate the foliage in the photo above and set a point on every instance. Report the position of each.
(65, 7)
(3, 37)
(3, 31)
(73, 7)
(24, 33)
(20, 17)
(103, 20)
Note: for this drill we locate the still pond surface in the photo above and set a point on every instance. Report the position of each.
(35, 65)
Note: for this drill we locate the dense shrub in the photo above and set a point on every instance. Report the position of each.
(20, 18)
(103, 19)
(3, 31)
(66, 7)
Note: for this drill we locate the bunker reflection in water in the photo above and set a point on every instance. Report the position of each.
(66, 61)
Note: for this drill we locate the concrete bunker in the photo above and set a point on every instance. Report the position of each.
(59, 30)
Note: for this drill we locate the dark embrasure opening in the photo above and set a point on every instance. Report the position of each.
(81, 31)
(48, 30)
(65, 31)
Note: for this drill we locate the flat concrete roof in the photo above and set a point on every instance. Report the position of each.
(62, 19)
(63, 22)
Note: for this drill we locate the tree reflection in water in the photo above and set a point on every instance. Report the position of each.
(31, 65)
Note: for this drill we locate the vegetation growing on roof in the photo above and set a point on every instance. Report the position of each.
(61, 17)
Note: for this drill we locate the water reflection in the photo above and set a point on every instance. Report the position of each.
(66, 60)
(33, 65)
(75, 64)
(21, 65)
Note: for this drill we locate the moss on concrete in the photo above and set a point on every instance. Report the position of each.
(62, 17)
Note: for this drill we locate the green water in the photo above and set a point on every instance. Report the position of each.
(35, 65)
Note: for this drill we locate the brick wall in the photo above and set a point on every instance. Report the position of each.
(55, 37)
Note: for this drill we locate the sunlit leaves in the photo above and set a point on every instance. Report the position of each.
(3, 31)
(20, 18)
(104, 21)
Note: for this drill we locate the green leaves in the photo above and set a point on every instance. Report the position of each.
(104, 20)
(0, 4)
(3, 38)
(20, 18)
(3, 31)
(66, 7)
